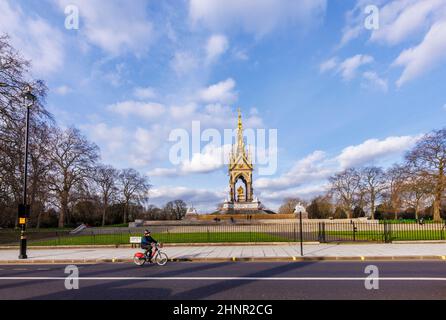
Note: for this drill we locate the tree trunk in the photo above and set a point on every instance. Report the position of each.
(372, 205)
(417, 208)
(349, 213)
(63, 209)
(438, 194)
(104, 211)
(39, 217)
(125, 212)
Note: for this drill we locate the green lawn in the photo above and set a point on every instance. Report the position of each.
(407, 221)
(405, 235)
(195, 237)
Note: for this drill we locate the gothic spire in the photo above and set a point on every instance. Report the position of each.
(240, 142)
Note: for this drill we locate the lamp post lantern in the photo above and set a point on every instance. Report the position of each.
(24, 209)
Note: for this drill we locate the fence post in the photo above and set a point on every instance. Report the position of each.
(301, 235)
(387, 232)
(390, 233)
(354, 231)
(208, 235)
(321, 235)
(442, 230)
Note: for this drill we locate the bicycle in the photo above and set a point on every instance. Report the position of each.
(157, 255)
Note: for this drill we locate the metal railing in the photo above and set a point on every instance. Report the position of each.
(324, 232)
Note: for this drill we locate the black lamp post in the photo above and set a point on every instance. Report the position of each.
(301, 235)
(24, 208)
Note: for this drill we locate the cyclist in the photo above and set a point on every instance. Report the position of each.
(147, 242)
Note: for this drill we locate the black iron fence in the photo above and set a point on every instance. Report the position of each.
(324, 232)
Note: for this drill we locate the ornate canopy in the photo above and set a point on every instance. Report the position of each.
(240, 168)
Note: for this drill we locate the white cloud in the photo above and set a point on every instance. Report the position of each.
(114, 74)
(210, 159)
(205, 198)
(37, 40)
(219, 92)
(124, 146)
(144, 93)
(187, 111)
(375, 81)
(110, 138)
(305, 192)
(373, 149)
(114, 26)
(184, 63)
(146, 110)
(328, 65)
(400, 20)
(405, 21)
(63, 90)
(314, 167)
(213, 115)
(257, 17)
(216, 45)
(152, 139)
(240, 54)
(163, 172)
(419, 59)
(144, 146)
(313, 170)
(349, 66)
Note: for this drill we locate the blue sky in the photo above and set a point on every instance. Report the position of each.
(338, 94)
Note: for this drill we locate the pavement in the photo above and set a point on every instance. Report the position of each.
(188, 282)
(353, 252)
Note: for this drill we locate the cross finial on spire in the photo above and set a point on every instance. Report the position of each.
(240, 142)
(240, 126)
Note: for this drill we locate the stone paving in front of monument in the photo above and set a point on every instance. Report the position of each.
(258, 251)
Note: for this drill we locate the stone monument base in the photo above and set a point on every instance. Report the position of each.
(244, 207)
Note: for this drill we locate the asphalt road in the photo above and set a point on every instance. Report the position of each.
(231, 280)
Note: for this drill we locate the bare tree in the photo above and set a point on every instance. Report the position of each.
(344, 187)
(417, 190)
(373, 183)
(320, 207)
(72, 161)
(39, 170)
(289, 204)
(429, 158)
(14, 77)
(395, 179)
(176, 209)
(106, 180)
(134, 189)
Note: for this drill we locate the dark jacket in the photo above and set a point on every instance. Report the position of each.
(147, 240)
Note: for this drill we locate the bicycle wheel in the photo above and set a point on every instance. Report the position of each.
(139, 261)
(161, 258)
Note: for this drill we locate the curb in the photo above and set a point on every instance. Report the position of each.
(233, 259)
